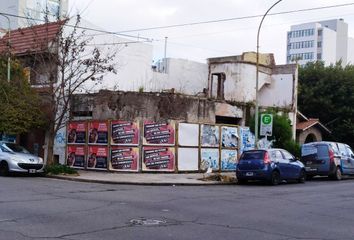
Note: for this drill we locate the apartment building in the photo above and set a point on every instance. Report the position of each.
(326, 41)
(37, 10)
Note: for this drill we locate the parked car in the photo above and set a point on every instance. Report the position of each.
(330, 159)
(272, 165)
(15, 158)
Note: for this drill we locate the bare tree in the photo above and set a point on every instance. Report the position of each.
(63, 64)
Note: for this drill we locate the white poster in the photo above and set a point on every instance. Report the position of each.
(188, 159)
(229, 137)
(209, 159)
(228, 159)
(188, 134)
(210, 136)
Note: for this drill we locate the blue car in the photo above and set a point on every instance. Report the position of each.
(271, 165)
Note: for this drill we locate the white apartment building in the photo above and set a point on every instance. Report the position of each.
(35, 9)
(324, 41)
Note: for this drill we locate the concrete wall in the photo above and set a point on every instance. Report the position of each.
(329, 43)
(11, 7)
(350, 51)
(184, 76)
(153, 106)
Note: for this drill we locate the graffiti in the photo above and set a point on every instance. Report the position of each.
(60, 138)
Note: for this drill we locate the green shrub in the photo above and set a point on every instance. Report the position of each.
(57, 169)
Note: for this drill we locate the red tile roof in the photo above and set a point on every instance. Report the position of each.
(303, 126)
(31, 39)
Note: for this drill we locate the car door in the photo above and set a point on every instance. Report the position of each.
(283, 165)
(345, 160)
(350, 156)
(293, 166)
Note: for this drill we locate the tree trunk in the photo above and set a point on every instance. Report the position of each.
(50, 145)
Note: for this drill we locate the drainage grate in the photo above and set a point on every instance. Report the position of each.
(147, 222)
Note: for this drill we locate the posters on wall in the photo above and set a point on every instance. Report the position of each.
(247, 139)
(229, 137)
(124, 158)
(125, 133)
(97, 157)
(188, 135)
(228, 159)
(77, 133)
(159, 133)
(76, 156)
(158, 159)
(209, 159)
(98, 132)
(209, 136)
(188, 159)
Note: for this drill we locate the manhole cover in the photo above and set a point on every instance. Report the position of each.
(147, 222)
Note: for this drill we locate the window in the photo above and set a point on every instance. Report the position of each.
(287, 155)
(319, 44)
(319, 32)
(319, 56)
(217, 85)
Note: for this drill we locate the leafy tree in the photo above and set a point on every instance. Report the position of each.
(70, 60)
(327, 93)
(282, 132)
(20, 105)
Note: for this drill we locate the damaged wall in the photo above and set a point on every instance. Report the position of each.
(153, 106)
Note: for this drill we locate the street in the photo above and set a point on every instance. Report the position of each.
(41, 208)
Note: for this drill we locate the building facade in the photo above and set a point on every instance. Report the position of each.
(40, 10)
(326, 41)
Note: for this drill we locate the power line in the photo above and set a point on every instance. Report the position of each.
(79, 27)
(235, 18)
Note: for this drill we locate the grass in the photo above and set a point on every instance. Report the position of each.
(58, 169)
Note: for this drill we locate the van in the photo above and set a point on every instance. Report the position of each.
(330, 159)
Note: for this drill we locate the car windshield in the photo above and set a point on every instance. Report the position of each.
(253, 155)
(13, 147)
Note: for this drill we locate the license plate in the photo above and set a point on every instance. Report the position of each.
(32, 170)
(248, 174)
(308, 169)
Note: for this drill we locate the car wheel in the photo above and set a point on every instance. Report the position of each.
(302, 177)
(4, 168)
(338, 174)
(275, 178)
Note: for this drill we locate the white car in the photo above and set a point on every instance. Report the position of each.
(14, 158)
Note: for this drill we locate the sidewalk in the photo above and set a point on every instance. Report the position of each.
(151, 178)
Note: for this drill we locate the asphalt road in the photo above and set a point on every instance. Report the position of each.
(40, 208)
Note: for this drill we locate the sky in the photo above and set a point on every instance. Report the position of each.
(202, 41)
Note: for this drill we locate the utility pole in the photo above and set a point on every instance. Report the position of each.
(164, 58)
(257, 74)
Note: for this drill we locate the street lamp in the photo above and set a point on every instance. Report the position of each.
(257, 73)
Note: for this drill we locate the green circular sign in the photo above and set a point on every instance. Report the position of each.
(266, 119)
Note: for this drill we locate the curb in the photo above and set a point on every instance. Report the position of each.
(138, 183)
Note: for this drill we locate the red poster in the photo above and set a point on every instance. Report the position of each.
(77, 133)
(125, 158)
(159, 159)
(98, 132)
(97, 157)
(76, 156)
(159, 133)
(125, 133)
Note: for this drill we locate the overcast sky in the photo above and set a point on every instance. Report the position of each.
(199, 42)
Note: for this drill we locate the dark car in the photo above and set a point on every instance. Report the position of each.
(330, 159)
(271, 165)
